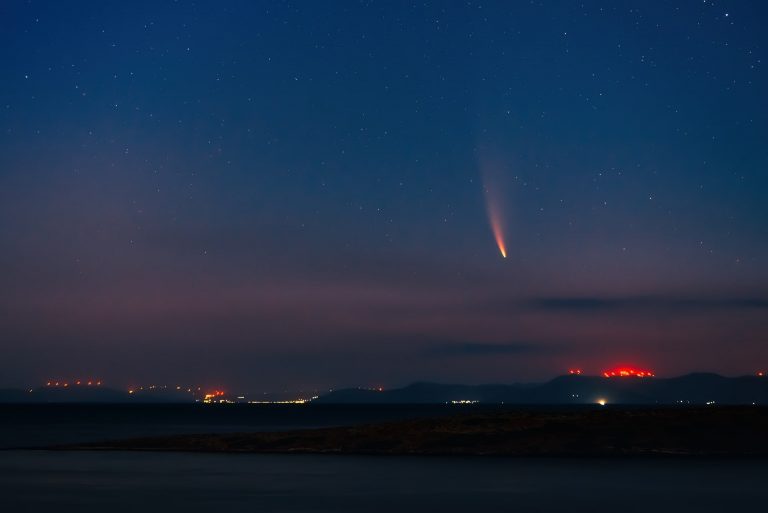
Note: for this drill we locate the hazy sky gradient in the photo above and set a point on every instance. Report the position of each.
(270, 195)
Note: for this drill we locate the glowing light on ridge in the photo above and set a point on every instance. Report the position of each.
(625, 372)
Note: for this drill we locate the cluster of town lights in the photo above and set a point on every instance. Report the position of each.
(286, 401)
(180, 388)
(78, 382)
(215, 396)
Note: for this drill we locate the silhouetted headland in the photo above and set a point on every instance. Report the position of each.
(600, 431)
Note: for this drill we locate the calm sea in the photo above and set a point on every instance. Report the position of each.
(36, 425)
(45, 481)
(116, 482)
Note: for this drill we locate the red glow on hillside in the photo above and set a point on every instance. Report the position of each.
(575, 372)
(625, 372)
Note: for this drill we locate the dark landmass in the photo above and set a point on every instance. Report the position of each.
(693, 389)
(711, 431)
(86, 394)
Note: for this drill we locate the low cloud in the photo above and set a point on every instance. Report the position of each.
(484, 349)
(643, 303)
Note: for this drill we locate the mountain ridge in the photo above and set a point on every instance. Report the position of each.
(694, 388)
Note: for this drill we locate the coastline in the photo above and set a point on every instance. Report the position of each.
(605, 432)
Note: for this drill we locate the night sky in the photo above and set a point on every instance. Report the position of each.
(272, 195)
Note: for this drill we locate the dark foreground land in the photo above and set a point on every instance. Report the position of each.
(710, 431)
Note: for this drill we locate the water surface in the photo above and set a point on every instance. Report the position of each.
(116, 482)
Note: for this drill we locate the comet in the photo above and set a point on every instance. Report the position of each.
(495, 218)
(493, 205)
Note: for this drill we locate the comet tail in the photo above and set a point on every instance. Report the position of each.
(494, 216)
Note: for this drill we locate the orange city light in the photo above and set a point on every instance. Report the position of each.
(574, 371)
(213, 394)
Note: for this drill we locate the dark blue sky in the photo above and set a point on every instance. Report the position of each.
(288, 194)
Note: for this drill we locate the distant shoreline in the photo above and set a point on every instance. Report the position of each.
(715, 431)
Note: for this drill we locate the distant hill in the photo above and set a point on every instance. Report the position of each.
(85, 394)
(700, 388)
